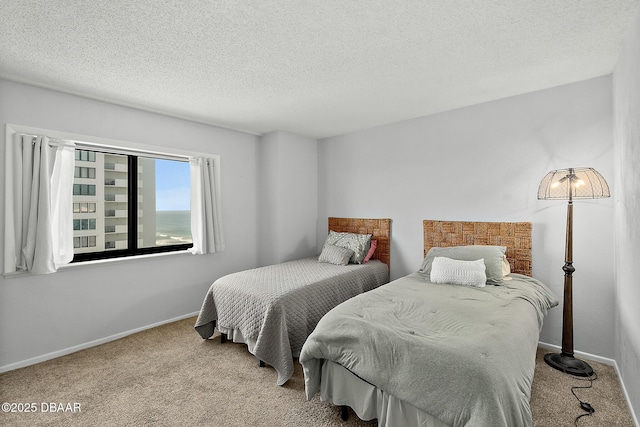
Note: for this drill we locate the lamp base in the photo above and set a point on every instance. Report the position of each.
(568, 364)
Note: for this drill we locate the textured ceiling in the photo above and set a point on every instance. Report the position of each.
(316, 68)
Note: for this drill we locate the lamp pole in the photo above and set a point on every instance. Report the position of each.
(568, 268)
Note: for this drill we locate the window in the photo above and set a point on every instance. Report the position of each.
(84, 207)
(84, 242)
(85, 155)
(84, 224)
(84, 190)
(141, 203)
(83, 172)
(148, 200)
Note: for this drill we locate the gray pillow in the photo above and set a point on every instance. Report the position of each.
(358, 243)
(492, 256)
(333, 254)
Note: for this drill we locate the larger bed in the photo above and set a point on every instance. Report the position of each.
(274, 308)
(414, 352)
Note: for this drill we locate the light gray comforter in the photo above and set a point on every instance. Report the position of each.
(276, 307)
(464, 355)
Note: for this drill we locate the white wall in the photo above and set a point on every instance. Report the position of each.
(478, 163)
(484, 163)
(48, 314)
(626, 104)
(288, 174)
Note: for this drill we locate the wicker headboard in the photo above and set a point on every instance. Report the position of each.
(380, 228)
(516, 236)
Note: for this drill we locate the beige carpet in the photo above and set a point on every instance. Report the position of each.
(169, 376)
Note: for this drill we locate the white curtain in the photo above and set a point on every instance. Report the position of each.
(206, 214)
(38, 209)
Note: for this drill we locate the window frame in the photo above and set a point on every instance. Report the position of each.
(132, 219)
(95, 143)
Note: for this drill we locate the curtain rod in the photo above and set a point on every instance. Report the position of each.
(53, 142)
(56, 142)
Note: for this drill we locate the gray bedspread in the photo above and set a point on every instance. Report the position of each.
(462, 354)
(276, 307)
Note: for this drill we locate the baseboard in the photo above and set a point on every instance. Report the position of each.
(628, 398)
(580, 354)
(69, 350)
(606, 361)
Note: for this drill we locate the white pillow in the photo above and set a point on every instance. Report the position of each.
(458, 272)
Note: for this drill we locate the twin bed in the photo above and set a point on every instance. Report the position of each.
(452, 344)
(274, 308)
(415, 352)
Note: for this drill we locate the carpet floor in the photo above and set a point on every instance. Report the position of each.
(169, 376)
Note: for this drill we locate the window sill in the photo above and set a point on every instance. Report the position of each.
(99, 262)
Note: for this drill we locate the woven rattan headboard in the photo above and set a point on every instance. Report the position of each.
(516, 236)
(380, 228)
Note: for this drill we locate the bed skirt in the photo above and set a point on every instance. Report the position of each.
(340, 386)
(236, 336)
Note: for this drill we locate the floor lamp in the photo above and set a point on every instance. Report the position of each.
(570, 184)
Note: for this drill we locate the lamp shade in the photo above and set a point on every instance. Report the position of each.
(573, 183)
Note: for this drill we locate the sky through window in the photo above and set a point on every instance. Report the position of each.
(172, 185)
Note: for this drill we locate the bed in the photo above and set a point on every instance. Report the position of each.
(273, 309)
(414, 352)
